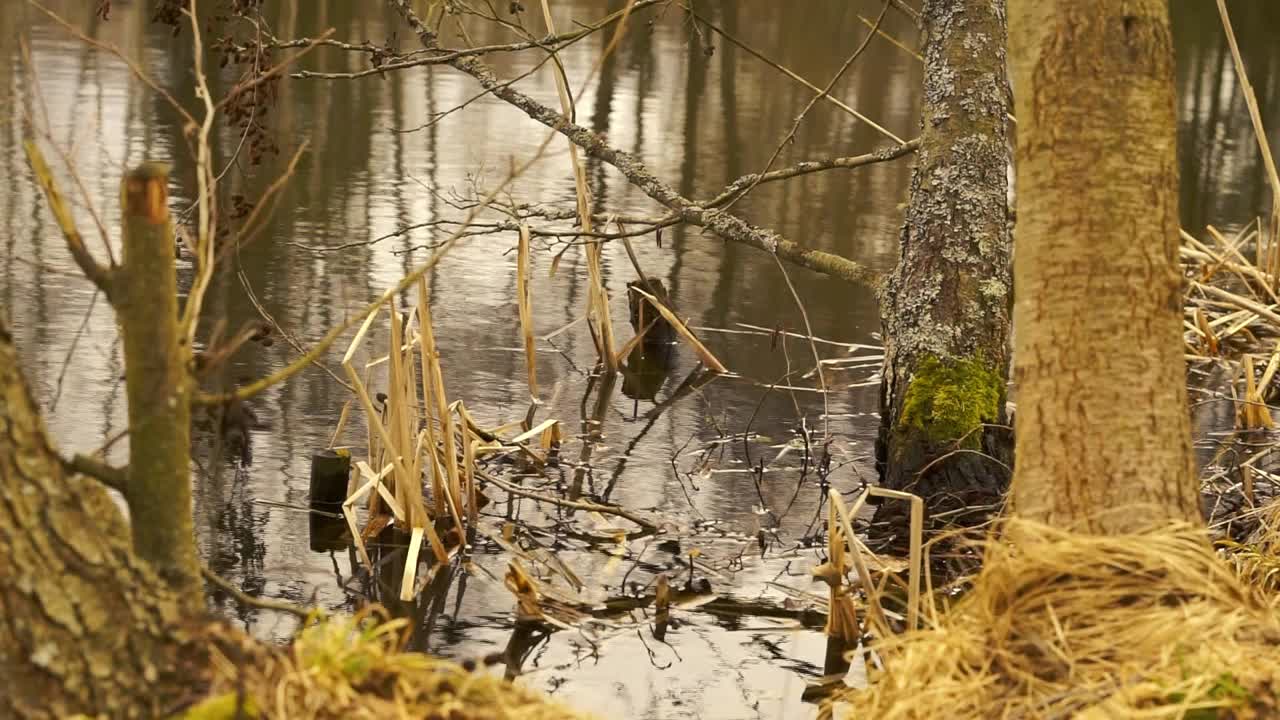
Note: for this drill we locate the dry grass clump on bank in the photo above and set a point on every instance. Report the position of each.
(352, 668)
(1257, 559)
(1058, 625)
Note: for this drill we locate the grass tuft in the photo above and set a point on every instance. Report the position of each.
(354, 667)
(1060, 624)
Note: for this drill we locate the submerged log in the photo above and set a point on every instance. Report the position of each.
(645, 318)
(330, 472)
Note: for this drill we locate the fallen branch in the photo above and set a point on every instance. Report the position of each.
(728, 227)
(246, 599)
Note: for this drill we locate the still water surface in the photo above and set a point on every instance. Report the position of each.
(700, 112)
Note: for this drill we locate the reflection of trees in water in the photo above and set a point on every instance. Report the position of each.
(1223, 181)
(699, 121)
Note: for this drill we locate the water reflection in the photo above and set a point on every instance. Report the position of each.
(701, 112)
(1223, 180)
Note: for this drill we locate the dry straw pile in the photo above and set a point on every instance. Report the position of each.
(1062, 625)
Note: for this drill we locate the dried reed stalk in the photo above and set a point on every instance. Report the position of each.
(402, 406)
(1253, 413)
(842, 616)
(409, 578)
(433, 394)
(342, 424)
(597, 295)
(381, 432)
(684, 332)
(875, 610)
(468, 463)
(1264, 147)
(915, 565)
(524, 299)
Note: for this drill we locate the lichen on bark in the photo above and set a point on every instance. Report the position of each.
(945, 308)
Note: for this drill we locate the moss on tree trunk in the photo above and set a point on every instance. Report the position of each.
(949, 402)
(945, 308)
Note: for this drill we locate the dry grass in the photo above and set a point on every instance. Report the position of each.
(352, 667)
(1153, 625)
(1257, 559)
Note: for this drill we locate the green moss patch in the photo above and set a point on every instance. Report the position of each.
(948, 400)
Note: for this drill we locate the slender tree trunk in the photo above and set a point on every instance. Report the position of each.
(84, 627)
(945, 308)
(158, 383)
(1102, 424)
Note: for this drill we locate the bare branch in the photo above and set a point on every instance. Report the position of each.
(206, 184)
(100, 276)
(886, 153)
(824, 93)
(791, 74)
(271, 72)
(113, 477)
(550, 43)
(248, 600)
(648, 525)
(727, 226)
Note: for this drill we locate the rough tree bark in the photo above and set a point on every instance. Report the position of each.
(84, 627)
(1104, 441)
(945, 308)
(158, 384)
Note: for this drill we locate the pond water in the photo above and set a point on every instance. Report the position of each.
(700, 112)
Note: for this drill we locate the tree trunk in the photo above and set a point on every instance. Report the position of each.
(84, 627)
(158, 384)
(945, 308)
(1102, 424)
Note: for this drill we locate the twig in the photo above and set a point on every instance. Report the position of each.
(245, 599)
(823, 93)
(288, 336)
(789, 73)
(113, 477)
(271, 72)
(100, 276)
(571, 504)
(71, 350)
(889, 152)
(725, 225)
(813, 347)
